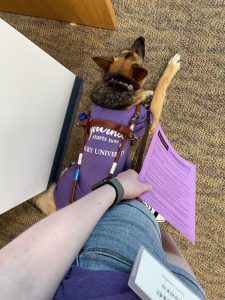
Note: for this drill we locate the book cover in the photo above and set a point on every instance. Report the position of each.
(38, 99)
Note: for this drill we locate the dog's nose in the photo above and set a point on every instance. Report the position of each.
(139, 46)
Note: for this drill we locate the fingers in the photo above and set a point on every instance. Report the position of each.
(143, 187)
(147, 187)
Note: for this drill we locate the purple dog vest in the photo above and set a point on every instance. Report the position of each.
(99, 153)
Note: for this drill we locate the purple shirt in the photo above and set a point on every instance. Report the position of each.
(99, 153)
(80, 284)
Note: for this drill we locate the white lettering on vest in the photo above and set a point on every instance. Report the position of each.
(104, 130)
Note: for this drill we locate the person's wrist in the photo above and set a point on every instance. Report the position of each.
(110, 192)
(119, 179)
(115, 184)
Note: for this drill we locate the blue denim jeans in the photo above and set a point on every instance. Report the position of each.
(114, 243)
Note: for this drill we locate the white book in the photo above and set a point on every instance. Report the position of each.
(38, 99)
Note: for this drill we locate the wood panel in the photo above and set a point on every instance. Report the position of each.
(97, 13)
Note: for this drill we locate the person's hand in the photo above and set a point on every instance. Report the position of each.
(131, 185)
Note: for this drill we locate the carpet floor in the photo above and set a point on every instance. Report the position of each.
(193, 117)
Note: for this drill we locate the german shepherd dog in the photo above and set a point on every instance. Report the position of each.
(121, 89)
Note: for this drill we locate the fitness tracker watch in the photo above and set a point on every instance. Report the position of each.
(115, 184)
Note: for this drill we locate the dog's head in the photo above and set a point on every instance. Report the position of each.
(128, 64)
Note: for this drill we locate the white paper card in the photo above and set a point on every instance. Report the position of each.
(34, 94)
(151, 280)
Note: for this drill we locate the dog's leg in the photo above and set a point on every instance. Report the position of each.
(160, 91)
(139, 97)
(45, 201)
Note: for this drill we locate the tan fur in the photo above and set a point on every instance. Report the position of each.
(160, 91)
(139, 97)
(45, 201)
(125, 66)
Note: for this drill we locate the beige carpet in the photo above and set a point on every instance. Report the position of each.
(193, 119)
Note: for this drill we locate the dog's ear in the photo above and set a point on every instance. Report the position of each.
(103, 62)
(139, 73)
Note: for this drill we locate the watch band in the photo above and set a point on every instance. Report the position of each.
(115, 184)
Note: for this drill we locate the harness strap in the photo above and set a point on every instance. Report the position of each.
(72, 195)
(139, 153)
(131, 126)
(126, 131)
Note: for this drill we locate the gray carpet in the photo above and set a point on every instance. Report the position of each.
(193, 118)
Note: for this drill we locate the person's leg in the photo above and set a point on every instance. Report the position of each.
(114, 243)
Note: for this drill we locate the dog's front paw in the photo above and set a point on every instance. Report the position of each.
(45, 201)
(175, 62)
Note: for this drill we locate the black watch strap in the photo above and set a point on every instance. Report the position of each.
(115, 184)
